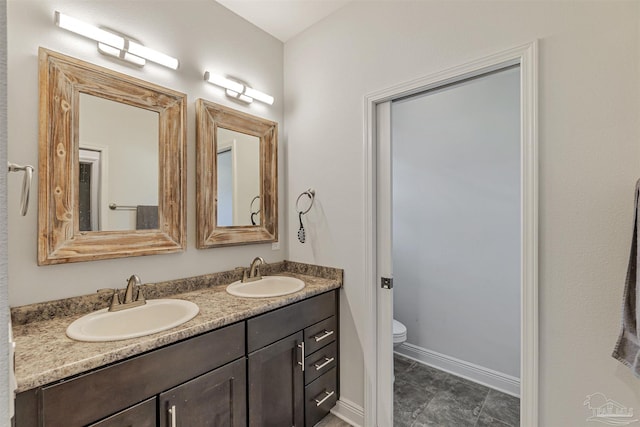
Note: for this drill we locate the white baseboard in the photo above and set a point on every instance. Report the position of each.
(476, 373)
(348, 411)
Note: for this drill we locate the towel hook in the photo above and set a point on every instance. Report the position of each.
(26, 184)
(311, 193)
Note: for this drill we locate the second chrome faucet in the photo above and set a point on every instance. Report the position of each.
(254, 270)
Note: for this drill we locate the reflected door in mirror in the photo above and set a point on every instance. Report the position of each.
(238, 178)
(118, 173)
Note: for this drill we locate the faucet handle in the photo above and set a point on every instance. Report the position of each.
(244, 273)
(140, 296)
(115, 300)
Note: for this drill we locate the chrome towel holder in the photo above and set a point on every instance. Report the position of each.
(253, 214)
(26, 184)
(312, 195)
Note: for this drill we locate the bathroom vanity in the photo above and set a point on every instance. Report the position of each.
(256, 362)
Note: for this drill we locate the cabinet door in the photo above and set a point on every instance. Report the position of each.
(276, 394)
(215, 399)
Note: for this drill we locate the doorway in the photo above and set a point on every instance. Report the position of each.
(455, 156)
(378, 220)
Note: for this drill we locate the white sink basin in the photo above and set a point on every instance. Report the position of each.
(268, 286)
(155, 316)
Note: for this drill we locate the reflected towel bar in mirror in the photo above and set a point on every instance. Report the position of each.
(115, 207)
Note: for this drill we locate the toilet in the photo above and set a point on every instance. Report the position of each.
(399, 333)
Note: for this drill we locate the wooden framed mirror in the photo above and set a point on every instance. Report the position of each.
(112, 164)
(236, 177)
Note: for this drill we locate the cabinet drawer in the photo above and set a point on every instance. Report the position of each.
(141, 415)
(320, 362)
(275, 325)
(106, 391)
(320, 334)
(320, 396)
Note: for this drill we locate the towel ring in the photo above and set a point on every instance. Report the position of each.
(26, 184)
(251, 205)
(309, 193)
(253, 214)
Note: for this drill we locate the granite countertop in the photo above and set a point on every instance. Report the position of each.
(44, 354)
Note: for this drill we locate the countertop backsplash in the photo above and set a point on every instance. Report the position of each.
(87, 303)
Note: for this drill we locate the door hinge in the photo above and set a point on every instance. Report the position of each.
(386, 282)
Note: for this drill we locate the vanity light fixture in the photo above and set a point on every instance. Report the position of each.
(238, 90)
(115, 45)
(112, 51)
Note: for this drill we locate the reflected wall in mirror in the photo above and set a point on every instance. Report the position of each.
(118, 166)
(111, 164)
(236, 177)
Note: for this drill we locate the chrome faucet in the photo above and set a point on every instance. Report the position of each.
(129, 301)
(254, 270)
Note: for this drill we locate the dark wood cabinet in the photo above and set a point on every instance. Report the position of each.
(276, 390)
(215, 399)
(140, 415)
(292, 360)
(276, 369)
(107, 392)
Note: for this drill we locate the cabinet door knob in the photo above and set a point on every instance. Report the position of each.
(172, 412)
(328, 394)
(322, 336)
(327, 360)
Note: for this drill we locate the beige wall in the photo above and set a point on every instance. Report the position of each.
(589, 162)
(203, 35)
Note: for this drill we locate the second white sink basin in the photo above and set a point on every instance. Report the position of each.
(155, 316)
(268, 286)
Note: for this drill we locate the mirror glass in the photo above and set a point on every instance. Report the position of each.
(118, 170)
(238, 163)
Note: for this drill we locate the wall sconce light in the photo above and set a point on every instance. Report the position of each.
(238, 90)
(114, 44)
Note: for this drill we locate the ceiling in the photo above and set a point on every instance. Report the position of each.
(283, 19)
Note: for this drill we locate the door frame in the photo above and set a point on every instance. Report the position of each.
(378, 402)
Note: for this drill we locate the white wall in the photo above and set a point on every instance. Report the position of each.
(456, 220)
(6, 405)
(245, 172)
(203, 35)
(589, 161)
(130, 136)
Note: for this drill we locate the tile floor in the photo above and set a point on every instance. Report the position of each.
(332, 421)
(425, 396)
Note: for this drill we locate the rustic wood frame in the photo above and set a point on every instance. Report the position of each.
(60, 240)
(209, 117)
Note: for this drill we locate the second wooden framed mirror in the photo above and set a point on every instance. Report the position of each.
(236, 177)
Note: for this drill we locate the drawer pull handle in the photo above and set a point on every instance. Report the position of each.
(301, 362)
(328, 394)
(324, 335)
(173, 411)
(327, 360)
